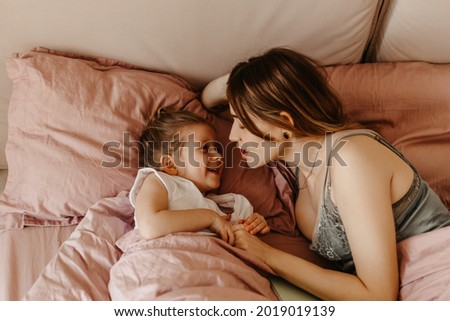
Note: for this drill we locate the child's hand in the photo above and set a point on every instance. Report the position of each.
(223, 227)
(255, 223)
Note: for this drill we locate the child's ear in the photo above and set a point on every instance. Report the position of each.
(168, 165)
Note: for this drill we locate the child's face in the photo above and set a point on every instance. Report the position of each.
(200, 160)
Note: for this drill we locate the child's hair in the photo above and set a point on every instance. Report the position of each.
(284, 80)
(160, 135)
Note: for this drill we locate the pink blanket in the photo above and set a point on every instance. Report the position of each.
(186, 266)
(180, 266)
(424, 263)
(80, 270)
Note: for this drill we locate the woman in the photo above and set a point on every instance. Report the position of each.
(358, 195)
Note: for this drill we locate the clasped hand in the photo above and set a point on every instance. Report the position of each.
(254, 224)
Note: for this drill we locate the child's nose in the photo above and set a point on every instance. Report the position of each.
(216, 156)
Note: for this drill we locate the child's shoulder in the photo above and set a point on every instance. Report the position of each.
(151, 178)
(147, 181)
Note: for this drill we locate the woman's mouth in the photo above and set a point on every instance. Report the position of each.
(244, 154)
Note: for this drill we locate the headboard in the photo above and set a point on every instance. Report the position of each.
(201, 39)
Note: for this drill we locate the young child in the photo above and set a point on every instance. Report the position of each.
(183, 162)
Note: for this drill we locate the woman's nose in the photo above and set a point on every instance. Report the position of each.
(234, 135)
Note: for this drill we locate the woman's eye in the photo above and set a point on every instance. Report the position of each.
(235, 122)
(240, 125)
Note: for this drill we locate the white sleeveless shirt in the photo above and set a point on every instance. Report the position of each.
(183, 195)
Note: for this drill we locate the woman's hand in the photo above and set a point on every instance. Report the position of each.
(255, 223)
(223, 227)
(250, 243)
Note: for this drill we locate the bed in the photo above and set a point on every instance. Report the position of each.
(80, 80)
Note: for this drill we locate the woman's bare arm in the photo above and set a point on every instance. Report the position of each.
(214, 93)
(323, 283)
(362, 195)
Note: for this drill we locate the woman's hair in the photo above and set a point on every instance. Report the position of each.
(284, 80)
(162, 135)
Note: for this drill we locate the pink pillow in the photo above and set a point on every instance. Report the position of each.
(408, 103)
(73, 122)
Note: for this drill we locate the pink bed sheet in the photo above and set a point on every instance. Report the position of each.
(24, 254)
(80, 269)
(424, 262)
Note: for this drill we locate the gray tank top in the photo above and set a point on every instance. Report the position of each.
(420, 210)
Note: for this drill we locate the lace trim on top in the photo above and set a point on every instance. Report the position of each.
(329, 238)
(402, 204)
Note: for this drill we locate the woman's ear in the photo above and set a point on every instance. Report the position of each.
(168, 165)
(285, 116)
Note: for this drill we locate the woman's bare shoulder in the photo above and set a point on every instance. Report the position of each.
(358, 146)
(362, 155)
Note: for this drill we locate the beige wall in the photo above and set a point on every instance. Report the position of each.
(201, 39)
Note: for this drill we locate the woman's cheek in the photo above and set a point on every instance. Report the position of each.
(257, 159)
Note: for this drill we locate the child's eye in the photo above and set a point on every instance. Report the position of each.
(206, 148)
(213, 149)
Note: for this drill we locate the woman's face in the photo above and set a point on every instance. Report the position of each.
(255, 150)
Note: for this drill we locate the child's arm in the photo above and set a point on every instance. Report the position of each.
(255, 223)
(155, 220)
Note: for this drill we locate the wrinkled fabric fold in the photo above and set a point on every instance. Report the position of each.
(186, 266)
(424, 265)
